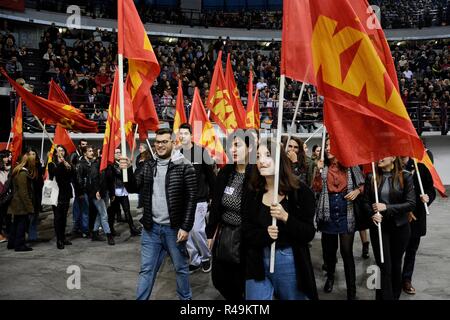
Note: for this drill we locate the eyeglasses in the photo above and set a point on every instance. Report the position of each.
(163, 142)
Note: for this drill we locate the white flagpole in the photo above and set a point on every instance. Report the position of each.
(42, 142)
(277, 163)
(295, 114)
(43, 129)
(150, 148)
(375, 188)
(122, 116)
(9, 140)
(421, 185)
(134, 142)
(313, 134)
(322, 151)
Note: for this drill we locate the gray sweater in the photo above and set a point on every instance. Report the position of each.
(160, 211)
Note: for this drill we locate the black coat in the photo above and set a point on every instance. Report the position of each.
(181, 192)
(299, 230)
(215, 216)
(64, 178)
(401, 200)
(419, 226)
(89, 178)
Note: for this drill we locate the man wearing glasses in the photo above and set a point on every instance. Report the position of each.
(168, 188)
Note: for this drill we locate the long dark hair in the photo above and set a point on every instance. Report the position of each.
(301, 156)
(397, 174)
(288, 181)
(327, 161)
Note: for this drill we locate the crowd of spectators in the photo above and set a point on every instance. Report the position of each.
(394, 13)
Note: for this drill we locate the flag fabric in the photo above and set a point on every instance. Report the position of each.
(112, 132)
(17, 130)
(143, 66)
(55, 93)
(203, 132)
(250, 90)
(236, 102)
(437, 182)
(52, 112)
(253, 115)
(219, 100)
(180, 113)
(354, 76)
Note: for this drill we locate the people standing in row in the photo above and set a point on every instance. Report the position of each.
(417, 219)
(397, 199)
(62, 170)
(168, 189)
(338, 188)
(224, 228)
(293, 277)
(197, 243)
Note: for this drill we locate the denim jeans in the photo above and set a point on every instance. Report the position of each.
(197, 244)
(33, 220)
(102, 216)
(155, 244)
(282, 283)
(80, 213)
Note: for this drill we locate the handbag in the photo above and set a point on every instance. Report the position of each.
(50, 193)
(228, 244)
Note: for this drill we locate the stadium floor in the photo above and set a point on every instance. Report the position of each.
(110, 272)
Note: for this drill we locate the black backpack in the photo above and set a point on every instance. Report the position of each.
(7, 192)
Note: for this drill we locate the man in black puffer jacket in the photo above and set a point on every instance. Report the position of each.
(168, 189)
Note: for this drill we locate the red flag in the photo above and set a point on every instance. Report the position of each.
(203, 132)
(55, 93)
(180, 114)
(219, 100)
(250, 90)
(253, 116)
(52, 112)
(143, 66)
(112, 132)
(238, 107)
(359, 88)
(437, 182)
(16, 144)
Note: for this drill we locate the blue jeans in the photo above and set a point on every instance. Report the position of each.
(102, 216)
(156, 243)
(81, 214)
(33, 226)
(282, 283)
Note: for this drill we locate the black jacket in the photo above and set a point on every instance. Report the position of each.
(299, 231)
(64, 178)
(419, 226)
(215, 216)
(203, 170)
(401, 200)
(89, 178)
(181, 192)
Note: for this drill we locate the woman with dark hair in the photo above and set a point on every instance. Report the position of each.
(397, 199)
(61, 169)
(293, 277)
(316, 150)
(338, 187)
(224, 228)
(302, 166)
(21, 205)
(38, 184)
(5, 175)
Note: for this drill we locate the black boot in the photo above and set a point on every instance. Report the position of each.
(60, 244)
(328, 287)
(110, 239)
(97, 237)
(365, 250)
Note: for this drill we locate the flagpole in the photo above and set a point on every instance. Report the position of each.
(277, 164)
(375, 186)
(122, 116)
(313, 134)
(322, 151)
(134, 143)
(42, 142)
(43, 129)
(421, 185)
(9, 141)
(295, 114)
(151, 150)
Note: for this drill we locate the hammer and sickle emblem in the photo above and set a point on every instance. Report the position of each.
(67, 123)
